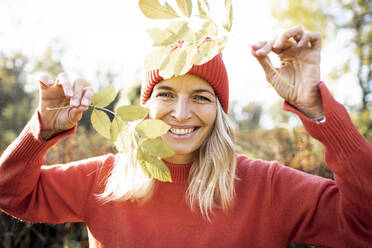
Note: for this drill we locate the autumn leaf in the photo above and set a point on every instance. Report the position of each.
(104, 97)
(132, 113)
(157, 148)
(153, 9)
(185, 6)
(161, 37)
(101, 123)
(152, 128)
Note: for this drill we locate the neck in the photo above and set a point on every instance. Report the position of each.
(181, 159)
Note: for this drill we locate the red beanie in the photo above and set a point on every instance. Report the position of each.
(214, 72)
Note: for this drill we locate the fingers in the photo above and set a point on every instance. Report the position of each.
(64, 81)
(78, 87)
(282, 40)
(45, 81)
(313, 38)
(75, 114)
(262, 48)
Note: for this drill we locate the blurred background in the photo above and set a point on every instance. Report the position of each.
(105, 42)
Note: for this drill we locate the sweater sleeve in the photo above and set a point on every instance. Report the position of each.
(32, 192)
(318, 211)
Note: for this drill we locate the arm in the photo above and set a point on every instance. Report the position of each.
(317, 211)
(36, 193)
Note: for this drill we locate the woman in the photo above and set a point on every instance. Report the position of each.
(217, 198)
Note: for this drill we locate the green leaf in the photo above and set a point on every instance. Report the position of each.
(207, 51)
(152, 128)
(161, 37)
(132, 113)
(123, 139)
(115, 128)
(229, 15)
(156, 168)
(157, 58)
(202, 9)
(104, 97)
(153, 9)
(180, 29)
(157, 148)
(185, 7)
(101, 122)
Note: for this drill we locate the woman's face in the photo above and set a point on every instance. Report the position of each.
(188, 104)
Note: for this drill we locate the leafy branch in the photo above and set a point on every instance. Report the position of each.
(179, 46)
(130, 129)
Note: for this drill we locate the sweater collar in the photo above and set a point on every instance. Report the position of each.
(179, 172)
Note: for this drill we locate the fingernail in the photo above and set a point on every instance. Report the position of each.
(50, 82)
(85, 102)
(75, 102)
(70, 93)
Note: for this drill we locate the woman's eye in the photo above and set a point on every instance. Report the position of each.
(202, 98)
(164, 94)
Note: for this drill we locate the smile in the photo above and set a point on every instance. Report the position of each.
(182, 133)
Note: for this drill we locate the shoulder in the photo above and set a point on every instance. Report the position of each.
(246, 166)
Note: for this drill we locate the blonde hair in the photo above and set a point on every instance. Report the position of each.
(211, 178)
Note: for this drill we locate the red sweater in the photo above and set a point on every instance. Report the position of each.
(274, 204)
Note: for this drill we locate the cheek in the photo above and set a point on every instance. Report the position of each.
(157, 110)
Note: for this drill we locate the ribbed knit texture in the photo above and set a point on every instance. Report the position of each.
(214, 72)
(274, 204)
(179, 172)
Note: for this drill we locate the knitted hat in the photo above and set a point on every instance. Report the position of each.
(214, 72)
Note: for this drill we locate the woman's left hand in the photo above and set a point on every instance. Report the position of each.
(299, 53)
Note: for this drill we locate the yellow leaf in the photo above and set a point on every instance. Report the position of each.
(167, 69)
(115, 128)
(132, 113)
(180, 29)
(123, 140)
(153, 9)
(101, 122)
(157, 168)
(207, 51)
(161, 37)
(157, 58)
(229, 15)
(185, 7)
(152, 128)
(184, 61)
(202, 9)
(104, 97)
(210, 28)
(141, 160)
(222, 43)
(157, 148)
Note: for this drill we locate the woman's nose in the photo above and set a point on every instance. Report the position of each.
(181, 110)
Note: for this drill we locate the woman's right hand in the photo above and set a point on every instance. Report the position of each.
(60, 93)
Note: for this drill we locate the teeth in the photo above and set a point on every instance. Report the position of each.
(181, 130)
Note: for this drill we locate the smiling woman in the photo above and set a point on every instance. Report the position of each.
(216, 198)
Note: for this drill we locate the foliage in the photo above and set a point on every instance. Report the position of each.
(179, 46)
(144, 135)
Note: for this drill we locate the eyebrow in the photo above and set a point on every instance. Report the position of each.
(164, 87)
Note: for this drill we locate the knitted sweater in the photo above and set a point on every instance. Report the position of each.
(274, 204)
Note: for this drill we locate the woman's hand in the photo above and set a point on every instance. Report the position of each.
(60, 93)
(299, 53)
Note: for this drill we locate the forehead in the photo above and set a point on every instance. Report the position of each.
(187, 82)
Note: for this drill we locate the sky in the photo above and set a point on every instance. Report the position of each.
(93, 35)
